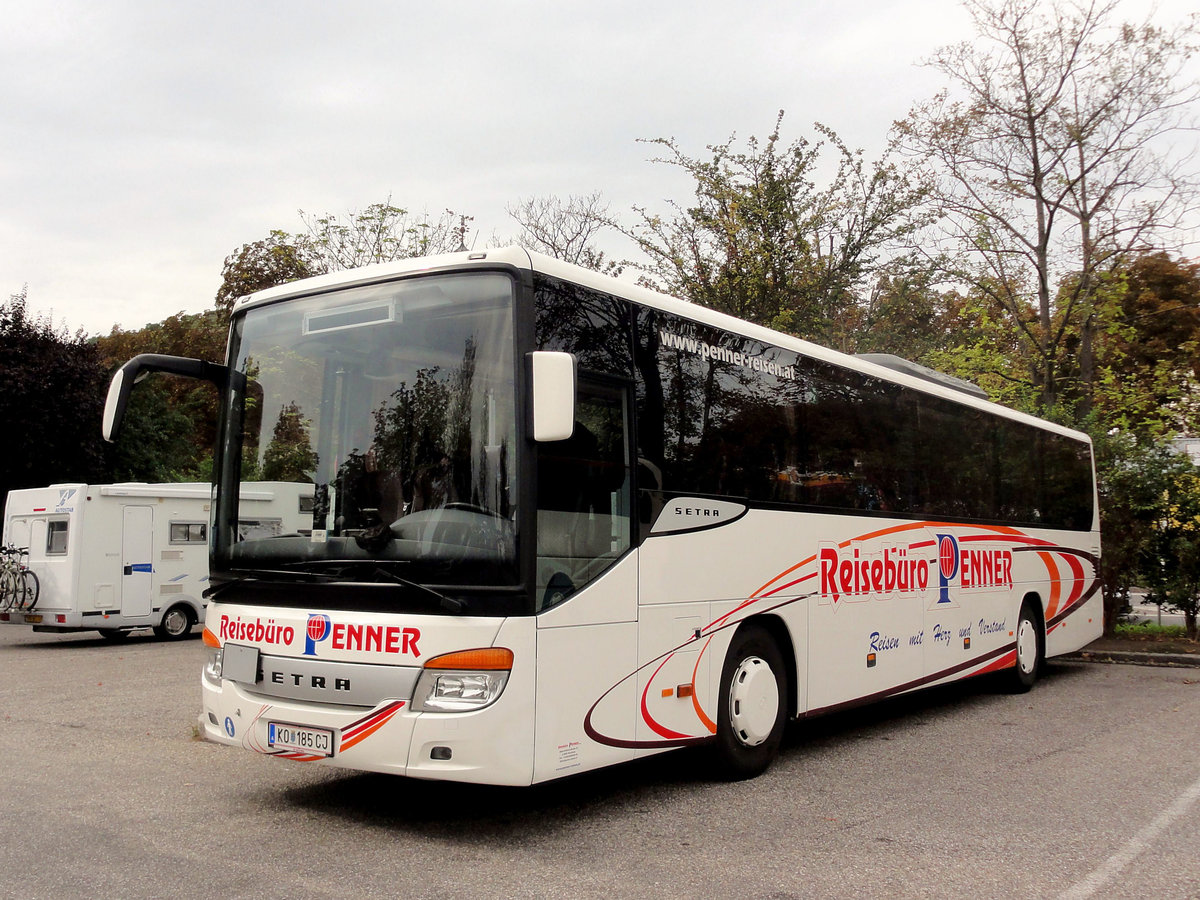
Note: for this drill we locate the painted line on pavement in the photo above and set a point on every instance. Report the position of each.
(1137, 845)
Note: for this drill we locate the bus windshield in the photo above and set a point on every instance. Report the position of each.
(396, 401)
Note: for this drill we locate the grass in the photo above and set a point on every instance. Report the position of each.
(1149, 631)
(1148, 637)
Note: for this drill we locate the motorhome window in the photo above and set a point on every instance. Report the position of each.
(56, 538)
(189, 533)
(257, 529)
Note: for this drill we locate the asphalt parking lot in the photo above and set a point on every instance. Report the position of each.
(1088, 786)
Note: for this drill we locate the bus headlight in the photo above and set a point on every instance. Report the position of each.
(212, 668)
(462, 681)
(216, 654)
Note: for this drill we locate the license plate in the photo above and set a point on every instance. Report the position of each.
(33, 619)
(301, 739)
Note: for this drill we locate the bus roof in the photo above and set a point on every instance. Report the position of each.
(520, 258)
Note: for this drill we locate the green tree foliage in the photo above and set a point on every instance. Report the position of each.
(50, 401)
(1148, 353)
(170, 426)
(277, 259)
(379, 233)
(981, 346)
(1047, 151)
(1170, 562)
(904, 313)
(157, 442)
(1131, 480)
(762, 241)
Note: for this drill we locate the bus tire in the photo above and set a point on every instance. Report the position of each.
(752, 706)
(1030, 650)
(176, 624)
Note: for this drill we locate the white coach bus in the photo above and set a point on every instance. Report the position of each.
(561, 522)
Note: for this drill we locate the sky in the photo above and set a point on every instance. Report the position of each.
(144, 141)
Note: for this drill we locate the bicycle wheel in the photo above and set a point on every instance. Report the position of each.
(33, 588)
(8, 589)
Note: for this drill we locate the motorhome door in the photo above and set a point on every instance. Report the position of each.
(137, 552)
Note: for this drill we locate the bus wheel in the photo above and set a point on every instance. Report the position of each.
(1029, 651)
(752, 705)
(176, 624)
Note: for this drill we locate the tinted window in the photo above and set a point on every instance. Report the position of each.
(592, 325)
(725, 415)
(583, 496)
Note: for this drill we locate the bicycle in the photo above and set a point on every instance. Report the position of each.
(10, 583)
(19, 585)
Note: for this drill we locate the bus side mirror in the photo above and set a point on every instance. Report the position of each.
(552, 375)
(141, 366)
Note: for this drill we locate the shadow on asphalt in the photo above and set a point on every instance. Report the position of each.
(87, 639)
(446, 809)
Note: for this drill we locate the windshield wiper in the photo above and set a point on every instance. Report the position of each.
(252, 576)
(375, 572)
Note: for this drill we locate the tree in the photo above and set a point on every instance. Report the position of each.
(51, 402)
(981, 346)
(1130, 476)
(380, 233)
(158, 441)
(565, 231)
(763, 242)
(277, 259)
(170, 426)
(1171, 558)
(905, 314)
(1148, 352)
(1050, 165)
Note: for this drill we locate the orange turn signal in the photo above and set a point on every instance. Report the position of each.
(210, 639)
(486, 659)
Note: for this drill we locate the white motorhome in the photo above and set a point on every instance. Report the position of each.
(115, 557)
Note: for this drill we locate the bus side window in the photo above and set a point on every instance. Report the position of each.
(583, 497)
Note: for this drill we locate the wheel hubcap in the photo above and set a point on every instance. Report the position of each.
(1026, 646)
(175, 622)
(753, 701)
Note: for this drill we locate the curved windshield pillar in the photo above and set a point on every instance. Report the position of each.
(397, 403)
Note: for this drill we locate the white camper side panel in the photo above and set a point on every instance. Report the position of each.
(147, 550)
(99, 584)
(180, 555)
(49, 521)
